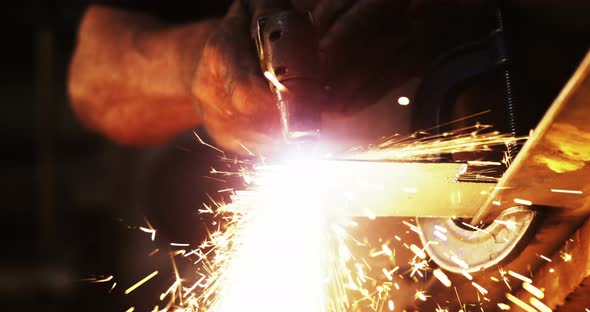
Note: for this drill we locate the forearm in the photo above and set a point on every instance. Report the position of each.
(130, 75)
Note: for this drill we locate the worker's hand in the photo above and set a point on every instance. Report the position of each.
(367, 47)
(236, 105)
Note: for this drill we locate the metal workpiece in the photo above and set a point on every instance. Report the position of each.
(287, 46)
(460, 248)
(377, 189)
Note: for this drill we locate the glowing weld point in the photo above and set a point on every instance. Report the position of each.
(533, 290)
(539, 305)
(402, 100)
(523, 201)
(273, 79)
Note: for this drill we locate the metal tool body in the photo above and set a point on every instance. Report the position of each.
(287, 47)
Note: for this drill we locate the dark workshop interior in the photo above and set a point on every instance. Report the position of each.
(73, 201)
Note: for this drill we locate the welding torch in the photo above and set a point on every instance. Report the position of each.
(287, 47)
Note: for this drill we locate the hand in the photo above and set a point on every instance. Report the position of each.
(366, 49)
(236, 105)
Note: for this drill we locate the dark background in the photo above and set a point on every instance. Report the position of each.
(71, 200)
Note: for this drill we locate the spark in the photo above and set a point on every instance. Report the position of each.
(421, 295)
(480, 288)
(426, 146)
(112, 287)
(150, 229)
(533, 290)
(540, 305)
(566, 191)
(505, 279)
(390, 305)
(246, 149)
(270, 240)
(180, 244)
(545, 258)
(418, 251)
(520, 277)
(467, 275)
(503, 306)
(523, 201)
(523, 305)
(153, 252)
(102, 279)
(567, 257)
(442, 277)
(130, 309)
(207, 144)
(141, 282)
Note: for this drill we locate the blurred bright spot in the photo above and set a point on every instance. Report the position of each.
(402, 100)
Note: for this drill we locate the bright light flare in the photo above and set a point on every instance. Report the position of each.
(276, 260)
